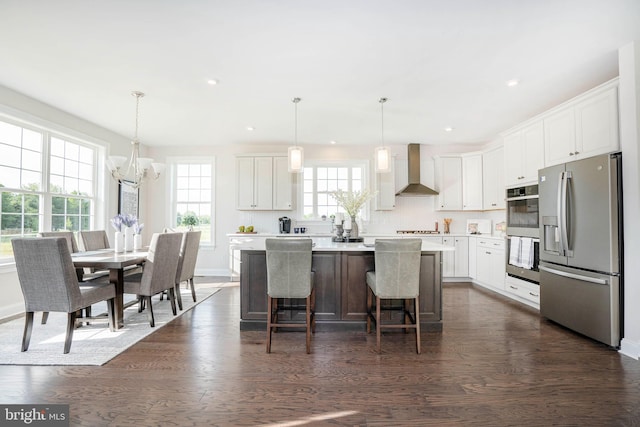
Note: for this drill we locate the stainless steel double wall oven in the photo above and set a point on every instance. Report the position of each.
(523, 221)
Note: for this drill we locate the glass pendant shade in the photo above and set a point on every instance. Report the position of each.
(296, 159)
(383, 160)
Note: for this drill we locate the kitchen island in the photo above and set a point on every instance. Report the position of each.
(341, 288)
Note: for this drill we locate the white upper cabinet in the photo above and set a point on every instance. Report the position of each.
(472, 182)
(282, 185)
(449, 183)
(584, 127)
(524, 155)
(385, 199)
(263, 183)
(493, 179)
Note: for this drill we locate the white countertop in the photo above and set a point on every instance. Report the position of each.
(354, 247)
(367, 236)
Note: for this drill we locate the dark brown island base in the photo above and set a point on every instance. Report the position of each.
(341, 289)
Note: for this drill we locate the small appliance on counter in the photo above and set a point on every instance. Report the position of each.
(285, 225)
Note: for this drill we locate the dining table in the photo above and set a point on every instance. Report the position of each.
(115, 263)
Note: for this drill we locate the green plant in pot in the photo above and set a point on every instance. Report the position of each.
(190, 220)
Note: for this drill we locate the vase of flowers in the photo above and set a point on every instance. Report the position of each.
(137, 237)
(118, 243)
(124, 226)
(352, 202)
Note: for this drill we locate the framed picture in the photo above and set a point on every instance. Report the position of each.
(128, 199)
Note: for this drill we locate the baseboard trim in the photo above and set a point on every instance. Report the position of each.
(630, 348)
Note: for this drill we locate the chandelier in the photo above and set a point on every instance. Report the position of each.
(139, 167)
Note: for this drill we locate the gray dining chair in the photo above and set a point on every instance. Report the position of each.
(289, 276)
(187, 263)
(94, 240)
(159, 272)
(396, 276)
(49, 283)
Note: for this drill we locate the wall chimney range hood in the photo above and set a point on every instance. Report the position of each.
(415, 188)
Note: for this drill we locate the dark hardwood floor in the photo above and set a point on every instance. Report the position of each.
(496, 363)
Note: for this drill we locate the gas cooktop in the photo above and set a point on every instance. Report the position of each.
(417, 232)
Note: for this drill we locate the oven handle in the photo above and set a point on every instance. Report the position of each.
(534, 196)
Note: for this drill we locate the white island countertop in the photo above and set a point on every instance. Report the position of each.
(360, 247)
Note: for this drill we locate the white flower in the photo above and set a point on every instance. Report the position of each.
(352, 201)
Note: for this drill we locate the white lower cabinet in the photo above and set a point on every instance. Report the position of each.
(473, 257)
(523, 289)
(456, 263)
(490, 262)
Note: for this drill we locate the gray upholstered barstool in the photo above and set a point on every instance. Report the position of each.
(289, 276)
(396, 276)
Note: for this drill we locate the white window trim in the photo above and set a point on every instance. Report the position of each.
(171, 191)
(51, 129)
(364, 213)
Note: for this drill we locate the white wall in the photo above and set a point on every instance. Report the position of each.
(629, 65)
(19, 106)
(410, 212)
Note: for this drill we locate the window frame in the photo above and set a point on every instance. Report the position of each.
(172, 167)
(362, 163)
(51, 130)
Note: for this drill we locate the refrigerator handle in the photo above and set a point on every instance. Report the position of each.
(560, 213)
(563, 220)
(573, 275)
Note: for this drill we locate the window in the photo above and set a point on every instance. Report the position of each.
(193, 197)
(34, 200)
(320, 180)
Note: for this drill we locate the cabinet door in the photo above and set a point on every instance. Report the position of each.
(532, 152)
(282, 186)
(483, 267)
(448, 258)
(513, 155)
(560, 137)
(244, 183)
(493, 179)
(386, 189)
(497, 263)
(597, 124)
(472, 182)
(473, 257)
(263, 183)
(450, 185)
(461, 268)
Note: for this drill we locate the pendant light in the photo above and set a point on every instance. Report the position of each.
(382, 154)
(139, 168)
(295, 155)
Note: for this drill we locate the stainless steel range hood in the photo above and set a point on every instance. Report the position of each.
(414, 188)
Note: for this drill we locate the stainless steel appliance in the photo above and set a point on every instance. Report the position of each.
(285, 224)
(528, 273)
(522, 211)
(581, 284)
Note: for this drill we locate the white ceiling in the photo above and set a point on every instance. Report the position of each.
(440, 62)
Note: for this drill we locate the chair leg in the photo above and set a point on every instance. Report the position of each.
(193, 289)
(407, 316)
(87, 313)
(71, 324)
(378, 324)
(179, 295)
(172, 298)
(269, 307)
(417, 318)
(111, 313)
(45, 317)
(308, 321)
(369, 303)
(28, 326)
(152, 322)
(313, 310)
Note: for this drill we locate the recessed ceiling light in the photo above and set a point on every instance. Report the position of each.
(333, 142)
(513, 82)
(448, 129)
(250, 128)
(212, 82)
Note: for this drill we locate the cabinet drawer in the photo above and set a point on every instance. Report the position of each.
(526, 290)
(491, 243)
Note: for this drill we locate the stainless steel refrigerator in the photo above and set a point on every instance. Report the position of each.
(580, 210)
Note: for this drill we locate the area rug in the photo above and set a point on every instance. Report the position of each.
(92, 344)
